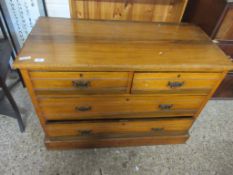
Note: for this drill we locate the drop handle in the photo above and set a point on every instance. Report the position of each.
(165, 106)
(83, 108)
(85, 132)
(81, 83)
(175, 84)
(157, 129)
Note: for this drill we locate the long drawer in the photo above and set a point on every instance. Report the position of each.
(128, 106)
(108, 128)
(180, 83)
(53, 83)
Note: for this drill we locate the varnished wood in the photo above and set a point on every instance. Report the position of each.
(111, 46)
(159, 82)
(99, 128)
(130, 82)
(211, 93)
(98, 82)
(133, 10)
(118, 107)
(114, 142)
(145, 83)
(28, 83)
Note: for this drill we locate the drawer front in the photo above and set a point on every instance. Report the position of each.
(119, 107)
(79, 82)
(181, 83)
(109, 128)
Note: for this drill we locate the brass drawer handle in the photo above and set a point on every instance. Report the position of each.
(83, 108)
(175, 84)
(165, 106)
(85, 132)
(81, 83)
(157, 129)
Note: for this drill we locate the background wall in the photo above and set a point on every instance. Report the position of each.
(58, 8)
(22, 15)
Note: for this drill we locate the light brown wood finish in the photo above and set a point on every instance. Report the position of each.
(100, 107)
(81, 82)
(198, 83)
(223, 75)
(133, 10)
(119, 60)
(27, 79)
(114, 142)
(111, 46)
(130, 82)
(109, 128)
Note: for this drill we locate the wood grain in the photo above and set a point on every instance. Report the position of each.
(161, 82)
(133, 10)
(101, 128)
(54, 144)
(145, 82)
(100, 107)
(223, 75)
(81, 82)
(116, 46)
(28, 83)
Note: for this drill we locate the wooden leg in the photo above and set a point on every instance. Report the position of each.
(14, 105)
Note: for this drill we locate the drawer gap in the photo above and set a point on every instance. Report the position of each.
(115, 120)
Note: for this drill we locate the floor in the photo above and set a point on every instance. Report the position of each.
(208, 151)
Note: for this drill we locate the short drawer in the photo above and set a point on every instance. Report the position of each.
(181, 83)
(52, 83)
(107, 107)
(108, 128)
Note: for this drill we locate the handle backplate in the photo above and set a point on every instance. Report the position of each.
(83, 108)
(165, 106)
(85, 132)
(175, 84)
(157, 129)
(81, 83)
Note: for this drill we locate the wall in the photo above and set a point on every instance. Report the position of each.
(58, 8)
(23, 15)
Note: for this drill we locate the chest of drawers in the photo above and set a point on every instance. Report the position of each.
(100, 84)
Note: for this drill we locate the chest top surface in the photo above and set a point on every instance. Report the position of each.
(83, 45)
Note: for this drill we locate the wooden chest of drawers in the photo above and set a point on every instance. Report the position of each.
(99, 84)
